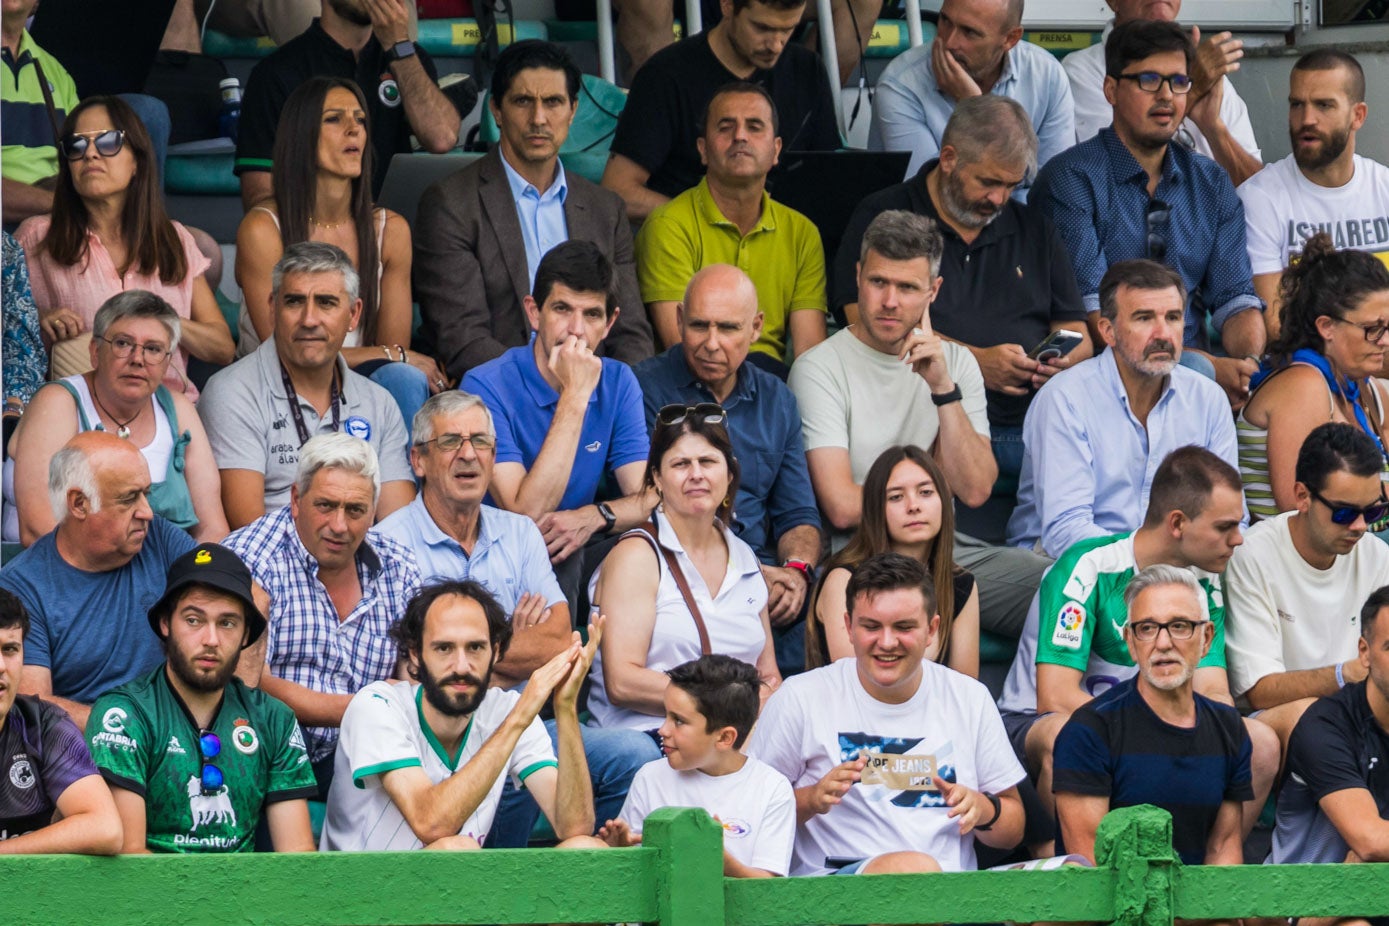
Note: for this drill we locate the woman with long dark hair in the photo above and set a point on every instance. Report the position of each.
(907, 508)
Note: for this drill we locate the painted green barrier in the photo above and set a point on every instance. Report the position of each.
(675, 878)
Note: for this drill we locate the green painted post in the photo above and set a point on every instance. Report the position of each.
(689, 875)
(1137, 843)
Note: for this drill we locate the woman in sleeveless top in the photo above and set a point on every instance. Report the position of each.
(908, 508)
(1323, 367)
(322, 183)
(109, 233)
(646, 584)
(134, 335)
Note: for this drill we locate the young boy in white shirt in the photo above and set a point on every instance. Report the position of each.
(711, 704)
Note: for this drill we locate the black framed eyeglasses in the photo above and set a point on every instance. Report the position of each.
(1152, 81)
(123, 347)
(448, 443)
(1345, 515)
(1179, 629)
(1373, 330)
(108, 144)
(707, 412)
(210, 745)
(1158, 219)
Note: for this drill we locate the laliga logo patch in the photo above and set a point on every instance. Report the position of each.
(389, 92)
(358, 427)
(113, 721)
(245, 740)
(1068, 624)
(203, 558)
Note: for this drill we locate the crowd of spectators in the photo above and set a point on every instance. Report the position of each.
(630, 524)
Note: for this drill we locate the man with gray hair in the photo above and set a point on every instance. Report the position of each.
(1152, 739)
(1007, 284)
(331, 586)
(89, 582)
(256, 429)
(937, 403)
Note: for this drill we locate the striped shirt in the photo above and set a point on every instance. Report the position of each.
(307, 642)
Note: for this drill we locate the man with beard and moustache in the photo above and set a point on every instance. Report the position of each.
(1130, 193)
(1153, 739)
(1096, 433)
(367, 41)
(1006, 280)
(421, 765)
(729, 218)
(1292, 626)
(1323, 185)
(194, 757)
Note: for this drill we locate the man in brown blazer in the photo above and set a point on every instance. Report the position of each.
(480, 233)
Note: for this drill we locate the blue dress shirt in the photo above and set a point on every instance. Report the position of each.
(1097, 195)
(543, 225)
(764, 423)
(1089, 463)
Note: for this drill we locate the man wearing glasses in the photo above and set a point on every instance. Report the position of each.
(195, 757)
(1129, 193)
(1152, 739)
(1296, 585)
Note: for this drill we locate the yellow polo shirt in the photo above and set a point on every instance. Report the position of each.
(782, 254)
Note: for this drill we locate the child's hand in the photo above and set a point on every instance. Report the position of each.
(618, 834)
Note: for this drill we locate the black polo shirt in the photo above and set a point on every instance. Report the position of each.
(660, 122)
(316, 54)
(1008, 287)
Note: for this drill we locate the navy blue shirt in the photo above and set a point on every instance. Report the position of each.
(1097, 195)
(764, 423)
(1116, 747)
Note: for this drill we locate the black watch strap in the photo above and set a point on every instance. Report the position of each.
(945, 398)
(993, 799)
(609, 517)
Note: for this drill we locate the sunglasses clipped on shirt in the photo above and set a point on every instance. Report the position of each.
(1345, 515)
(708, 412)
(108, 144)
(210, 745)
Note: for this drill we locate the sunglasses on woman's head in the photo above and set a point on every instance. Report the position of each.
(708, 412)
(108, 144)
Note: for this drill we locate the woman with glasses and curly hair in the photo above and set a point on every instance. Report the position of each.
(1323, 367)
(685, 585)
(109, 233)
(907, 508)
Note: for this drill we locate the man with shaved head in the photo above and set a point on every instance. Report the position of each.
(774, 511)
(89, 582)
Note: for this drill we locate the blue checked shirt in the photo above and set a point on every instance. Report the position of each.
(1097, 195)
(306, 641)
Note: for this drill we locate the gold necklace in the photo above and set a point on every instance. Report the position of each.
(328, 225)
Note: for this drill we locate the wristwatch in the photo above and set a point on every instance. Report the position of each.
(609, 517)
(803, 568)
(998, 810)
(945, 398)
(402, 49)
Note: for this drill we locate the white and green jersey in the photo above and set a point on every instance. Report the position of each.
(144, 740)
(1077, 620)
(384, 729)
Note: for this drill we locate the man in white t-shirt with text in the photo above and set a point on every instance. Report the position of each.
(898, 763)
(1323, 185)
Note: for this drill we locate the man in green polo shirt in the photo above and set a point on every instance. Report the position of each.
(729, 219)
(29, 155)
(193, 756)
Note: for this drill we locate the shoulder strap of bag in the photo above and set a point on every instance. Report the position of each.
(649, 531)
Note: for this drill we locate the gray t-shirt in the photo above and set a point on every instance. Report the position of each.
(249, 424)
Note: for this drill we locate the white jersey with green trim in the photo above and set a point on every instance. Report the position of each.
(384, 729)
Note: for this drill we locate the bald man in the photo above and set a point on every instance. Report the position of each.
(89, 583)
(774, 512)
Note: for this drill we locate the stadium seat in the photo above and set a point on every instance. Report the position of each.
(459, 38)
(586, 150)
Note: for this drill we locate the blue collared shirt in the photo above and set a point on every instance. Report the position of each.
(307, 642)
(541, 214)
(910, 111)
(523, 407)
(508, 557)
(1097, 195)
(764, 423)
(1089, 463)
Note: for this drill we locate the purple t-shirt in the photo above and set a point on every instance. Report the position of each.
(41, 754)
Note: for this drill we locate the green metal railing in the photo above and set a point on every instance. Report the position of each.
(675, 878)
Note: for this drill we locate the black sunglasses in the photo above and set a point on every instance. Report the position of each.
(210, 745)
(1158, 218)
(108, 144)
(708, 412)
(1345, 515)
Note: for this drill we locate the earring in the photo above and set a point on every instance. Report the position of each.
(727, 502)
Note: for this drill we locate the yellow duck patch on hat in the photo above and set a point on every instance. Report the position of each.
(203, 558)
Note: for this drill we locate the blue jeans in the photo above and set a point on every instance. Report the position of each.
(155, 115)
(613, 753)
(407, 385)
(989, 522)
(1198, 362)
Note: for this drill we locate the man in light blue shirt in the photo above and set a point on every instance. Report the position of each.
(1096, 433)
(977, 50)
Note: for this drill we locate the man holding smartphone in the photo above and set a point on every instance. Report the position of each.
(1008, 291)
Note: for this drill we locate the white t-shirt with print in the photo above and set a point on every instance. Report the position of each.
(755, 805)
(950, 727)
(384, 729)
(1282, 209)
